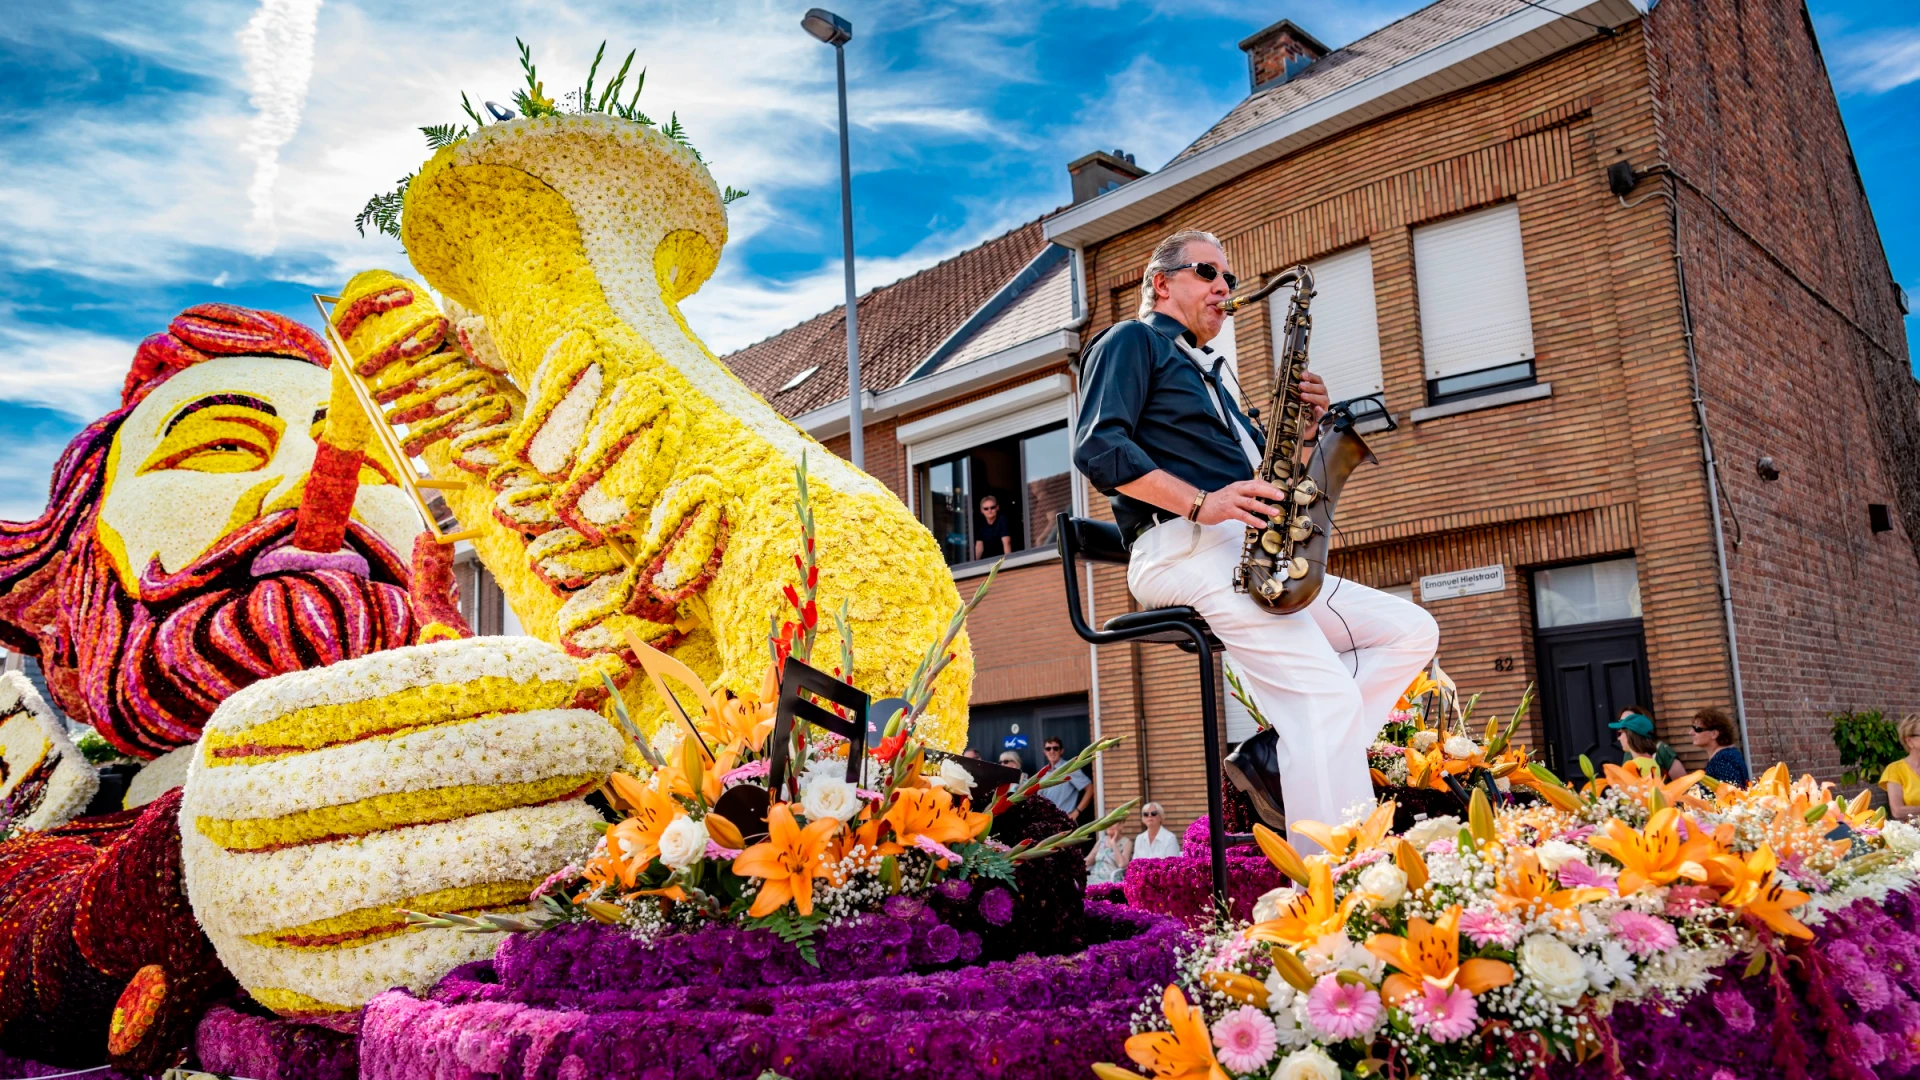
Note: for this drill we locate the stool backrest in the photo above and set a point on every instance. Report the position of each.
(1094, 541)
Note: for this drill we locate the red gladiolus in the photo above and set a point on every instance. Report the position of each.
(792, 596)
(813, 578)
(811, 613)
(889, 747)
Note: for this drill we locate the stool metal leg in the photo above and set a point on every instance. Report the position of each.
(1216, 808)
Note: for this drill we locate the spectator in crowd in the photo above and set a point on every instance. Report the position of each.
(1011, 759)
(1072, 795)
(1637, 742)
(1156, 841)
(970, 752)
(1902, 778)
(1107, 862)
(1713, 732)
(991, 538)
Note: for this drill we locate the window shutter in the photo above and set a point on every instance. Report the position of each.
(1472, 278)
(1344, 349)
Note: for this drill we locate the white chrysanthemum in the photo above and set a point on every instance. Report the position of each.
(1901, 837)
(1424, 741)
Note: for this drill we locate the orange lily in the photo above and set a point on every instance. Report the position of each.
(746, 719)
(1186, 1052)
(1341, 841)
(931, 813)
(1311, 915)
(1861, 813)
(787, 861)
(1527, 886)
(1755, 891)
(1642, 787)
(1430, 954)
(866, 836)
(1420, 687)
(633, 843)
(1656, 855)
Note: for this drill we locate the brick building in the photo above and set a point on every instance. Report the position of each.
(967, 394)
(1606, 287)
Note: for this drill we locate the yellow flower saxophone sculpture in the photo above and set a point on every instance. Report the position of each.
(622, 479)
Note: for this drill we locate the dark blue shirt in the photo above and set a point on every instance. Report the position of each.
(1144, 406)
(1728, 765)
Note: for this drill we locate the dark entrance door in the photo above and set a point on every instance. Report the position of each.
(1589, 674)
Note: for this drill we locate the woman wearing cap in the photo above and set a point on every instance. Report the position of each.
(1643, 751)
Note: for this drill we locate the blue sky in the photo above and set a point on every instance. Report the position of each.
(154, 155)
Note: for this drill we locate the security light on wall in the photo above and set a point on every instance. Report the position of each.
(1766, 468)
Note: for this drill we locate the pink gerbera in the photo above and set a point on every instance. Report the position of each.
(1444, 1014)
(1578, 875)
(1485, 928)
(1246, 1039)
(1643, 934)
(1343, 1010)
(1685, 901)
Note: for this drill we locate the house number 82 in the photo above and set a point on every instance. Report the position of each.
(1503, 663)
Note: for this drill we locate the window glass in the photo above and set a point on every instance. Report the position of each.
(943, 507)
(1587, 593)
(1047, 459)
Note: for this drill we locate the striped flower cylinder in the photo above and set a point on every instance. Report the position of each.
(441, 777)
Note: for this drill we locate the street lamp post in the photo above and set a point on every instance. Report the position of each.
(836, 31)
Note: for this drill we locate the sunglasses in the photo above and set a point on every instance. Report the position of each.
(1698, 730)
(1150, 813)
(1206, 272)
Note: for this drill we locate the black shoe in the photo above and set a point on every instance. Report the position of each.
(1254, 768)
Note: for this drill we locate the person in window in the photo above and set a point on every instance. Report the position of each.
(1902, 778)
(1161, 434)
(991, 538)
(1156, 841)
(1713, 732)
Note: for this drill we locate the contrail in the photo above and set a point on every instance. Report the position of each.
(277, 46)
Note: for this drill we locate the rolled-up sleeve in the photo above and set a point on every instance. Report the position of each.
(1113, 392)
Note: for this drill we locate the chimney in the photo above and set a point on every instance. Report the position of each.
(1278, 53)
(1101, 172)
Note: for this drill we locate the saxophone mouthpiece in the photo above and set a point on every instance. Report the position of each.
(1295, 275)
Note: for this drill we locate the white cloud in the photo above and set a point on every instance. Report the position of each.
(1874, 65)
(26, 470)
(75, 371)
(277, 47)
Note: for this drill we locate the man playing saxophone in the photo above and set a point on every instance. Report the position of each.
(1162, 435)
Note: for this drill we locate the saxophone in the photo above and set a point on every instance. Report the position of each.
(1284, 563)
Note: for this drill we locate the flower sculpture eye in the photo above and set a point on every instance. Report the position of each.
(226, 433)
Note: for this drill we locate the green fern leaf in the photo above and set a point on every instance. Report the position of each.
(733, 194)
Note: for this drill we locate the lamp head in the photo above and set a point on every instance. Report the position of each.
(827, 26)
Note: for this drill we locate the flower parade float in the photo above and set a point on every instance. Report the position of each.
(1635, 927)
(622, 482)
(44, 779)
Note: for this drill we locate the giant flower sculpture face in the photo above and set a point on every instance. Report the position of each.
(143, 588)
(215, 449)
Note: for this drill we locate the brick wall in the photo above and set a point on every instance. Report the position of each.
(1803, 359)
(1609, 464)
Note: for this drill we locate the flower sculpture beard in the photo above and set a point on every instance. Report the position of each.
(153, 668)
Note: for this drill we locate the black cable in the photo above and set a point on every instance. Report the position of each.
(1352, 645)
(1605, 31)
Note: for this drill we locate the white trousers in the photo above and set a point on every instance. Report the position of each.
(1325, 677)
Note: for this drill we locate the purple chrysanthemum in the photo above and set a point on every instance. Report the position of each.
(996, 907)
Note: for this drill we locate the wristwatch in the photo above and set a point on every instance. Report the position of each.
(1199, 500)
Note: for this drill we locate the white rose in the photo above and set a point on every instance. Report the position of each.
(1459, 746)
(683, 842)
(1901, 837)
(1423, 740)
(1385, 883)
(955, 778)
(1308, 1063)
(1267, 908)
(1553, 967)
(826, 796)
(1426, 832)
(1555, 854)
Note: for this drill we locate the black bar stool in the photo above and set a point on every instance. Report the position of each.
(1100, 541)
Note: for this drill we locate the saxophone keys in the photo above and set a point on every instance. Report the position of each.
(1271, 541)
(1297, 567)
(1271, 588)
(1305, 491)
(1299, 529)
